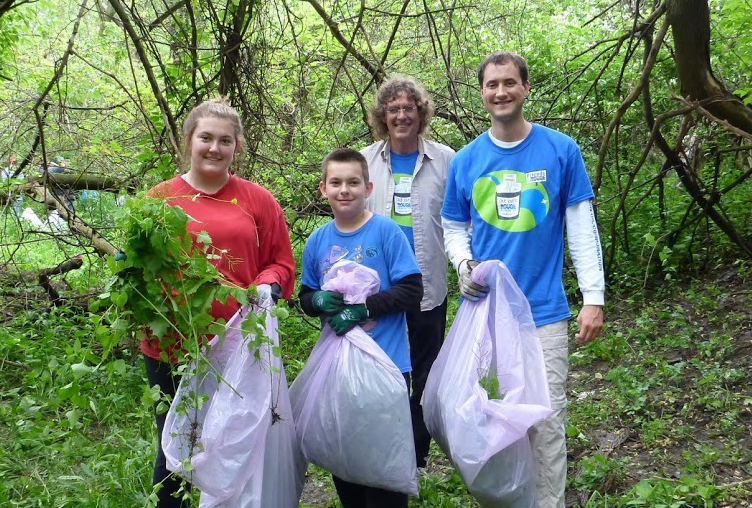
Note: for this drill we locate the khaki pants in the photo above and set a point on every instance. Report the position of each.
(548, 438)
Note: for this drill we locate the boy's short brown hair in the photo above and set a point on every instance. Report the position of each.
(345, 155)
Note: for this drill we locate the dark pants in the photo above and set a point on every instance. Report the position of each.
(161, 373)
(426, 333)
(353, 495)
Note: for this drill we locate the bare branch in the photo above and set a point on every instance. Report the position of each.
(377, 73)
(164, 107)
(166, 14)
(631, 98)
(64, 60)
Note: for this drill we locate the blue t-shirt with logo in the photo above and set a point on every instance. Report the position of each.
(380, 245)
(516, 199)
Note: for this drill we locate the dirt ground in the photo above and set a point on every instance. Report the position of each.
(618, 439)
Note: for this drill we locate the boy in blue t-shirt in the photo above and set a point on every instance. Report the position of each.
(374, 241)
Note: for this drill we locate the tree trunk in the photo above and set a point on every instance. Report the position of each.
(690, 25)
(75, 181)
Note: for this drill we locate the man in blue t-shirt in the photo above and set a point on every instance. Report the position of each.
(509, 195)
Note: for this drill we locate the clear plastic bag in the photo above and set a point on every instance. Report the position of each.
(491, 346)
(350, 401)
(240, 438)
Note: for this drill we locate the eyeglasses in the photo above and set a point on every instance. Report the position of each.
(394, 110)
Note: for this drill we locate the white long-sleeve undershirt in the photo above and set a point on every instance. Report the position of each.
(585, 251)
(582, 238)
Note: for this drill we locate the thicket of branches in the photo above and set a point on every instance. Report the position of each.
(654, 92)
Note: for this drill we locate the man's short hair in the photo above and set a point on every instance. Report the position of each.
(387, 92)
(345, 155)
(503, 58)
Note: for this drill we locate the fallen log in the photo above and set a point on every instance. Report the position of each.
(98, 242)
(77, 181)
(66, 266)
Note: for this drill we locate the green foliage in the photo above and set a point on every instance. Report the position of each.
(10, 25)
(442, 490)
(490, 383)
(668, 377)
(166, 284)
(663, 369)
(73, 432)
(663, 493)
(600, 473)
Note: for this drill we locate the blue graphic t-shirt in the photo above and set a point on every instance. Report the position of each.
(516, 199)
(380, 245)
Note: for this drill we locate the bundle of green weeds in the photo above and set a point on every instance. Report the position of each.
(164, 282)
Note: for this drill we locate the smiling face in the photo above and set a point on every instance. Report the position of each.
(402, 120)
(503, 93)
(212, 147)
(346, 190)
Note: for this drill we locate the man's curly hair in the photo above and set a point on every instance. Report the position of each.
(388, 91)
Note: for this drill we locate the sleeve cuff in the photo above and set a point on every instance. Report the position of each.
(593, 298)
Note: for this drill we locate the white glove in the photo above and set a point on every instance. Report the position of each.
(469, 289)
(264, 291)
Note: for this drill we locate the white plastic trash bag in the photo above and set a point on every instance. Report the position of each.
(239, 439)
(350, 402)
(507, 479)
(492, 346)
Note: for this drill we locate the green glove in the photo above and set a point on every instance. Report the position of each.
(328, 302)
(351, 315)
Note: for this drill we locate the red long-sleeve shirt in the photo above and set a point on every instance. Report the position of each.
(247, 225)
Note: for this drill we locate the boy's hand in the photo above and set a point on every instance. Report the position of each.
(351, 315)
(328, 302)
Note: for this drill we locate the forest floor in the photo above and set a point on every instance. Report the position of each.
(660, 407)
(677, 378)
(660, 410)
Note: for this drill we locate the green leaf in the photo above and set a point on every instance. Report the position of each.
(73, 417)
(79, 369)
(120, 299)
(119, 367)
(203, 237)
(280, 312)
(68, 391)
(159, 325)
